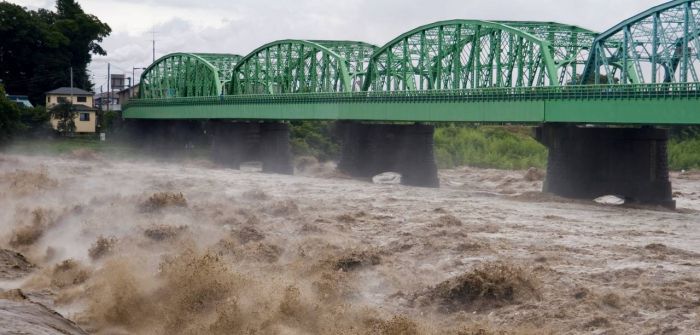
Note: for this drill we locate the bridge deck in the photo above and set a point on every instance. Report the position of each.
(660, 104)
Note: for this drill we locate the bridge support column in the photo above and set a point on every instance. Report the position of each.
(165, 138)
(587, 163)
(234, 143)
(275, 150)
(371, 149)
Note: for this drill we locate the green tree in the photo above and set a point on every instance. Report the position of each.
(38, 48)
(84, 33)
(34, 121)
(110, 122)
(9, 117)
(65, 114)
(309, 138)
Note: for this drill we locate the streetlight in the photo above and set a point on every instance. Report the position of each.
(133, 80)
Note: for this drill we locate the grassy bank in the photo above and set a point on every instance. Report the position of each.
(63, 146)
(684, 154)
(488, 147)
(514, 148)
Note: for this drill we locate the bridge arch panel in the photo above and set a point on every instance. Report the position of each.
(180, 75)
(570, 46)
(655, 46)
(462, 54)
(300, 66)
(356, 54)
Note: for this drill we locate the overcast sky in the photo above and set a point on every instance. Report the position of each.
(239, 26)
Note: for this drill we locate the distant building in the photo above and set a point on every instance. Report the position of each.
(112, 100)
(106, 102)
(86, 118)
(21, 100)
(129, 93)
(118, 82)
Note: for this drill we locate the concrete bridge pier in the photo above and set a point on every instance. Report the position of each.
(234, 143)
(165, 138)
(371, 149)
(275, 149)
(587, 163)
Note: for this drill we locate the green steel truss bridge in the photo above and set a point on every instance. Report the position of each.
(642, 71)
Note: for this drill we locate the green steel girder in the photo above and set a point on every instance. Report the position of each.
(657, 45)
(462, 54)
(357, 55)
(299, 66)
(645, 71)
(187, 74)
(651, 104)
(570, 45)
(225, 63)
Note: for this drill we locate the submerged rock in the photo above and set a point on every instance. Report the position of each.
(14, 265)
(21, 316)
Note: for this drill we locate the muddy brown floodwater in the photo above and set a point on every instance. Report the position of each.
(139, 247)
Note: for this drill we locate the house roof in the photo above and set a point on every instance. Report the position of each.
(129, 88)
(67, 91)
(83, 108)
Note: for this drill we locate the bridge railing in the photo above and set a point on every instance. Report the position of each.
(578, 92)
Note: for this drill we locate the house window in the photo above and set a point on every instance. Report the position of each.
(84, 116)
(82, 99)
(62, 99)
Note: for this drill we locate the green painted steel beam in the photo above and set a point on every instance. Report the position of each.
(187, 74)
(658, 104)
(570, 46)
(301, 66)
(458, 54)
(357, 56)
(658, 45)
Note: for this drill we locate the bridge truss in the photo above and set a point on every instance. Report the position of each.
(448, 63)
(300, 66)
(181, 75)
(658, 45)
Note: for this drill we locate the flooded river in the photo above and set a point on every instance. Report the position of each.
(145, 247)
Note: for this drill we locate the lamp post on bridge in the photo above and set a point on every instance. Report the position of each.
(133, 80)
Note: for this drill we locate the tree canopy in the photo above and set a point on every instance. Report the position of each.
(9, 117)
(37, 48)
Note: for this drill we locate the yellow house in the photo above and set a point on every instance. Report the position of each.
(86, 118)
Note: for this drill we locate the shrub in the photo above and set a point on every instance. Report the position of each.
(65, 114)
(34, 121)
(9, 118)
(684, 154)
(488, 147)
(314, 139)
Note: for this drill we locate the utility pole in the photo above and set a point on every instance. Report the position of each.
(109, 87)
(71, 84)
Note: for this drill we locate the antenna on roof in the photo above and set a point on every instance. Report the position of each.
(153, 32)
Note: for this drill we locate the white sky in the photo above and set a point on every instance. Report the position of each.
(239, 26)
